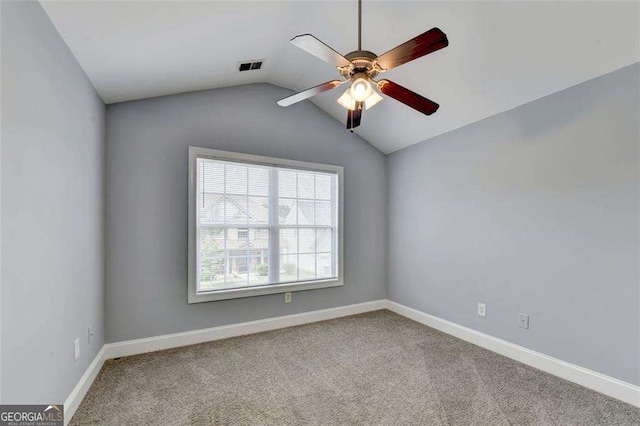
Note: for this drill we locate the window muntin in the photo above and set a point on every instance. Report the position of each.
(263, 224)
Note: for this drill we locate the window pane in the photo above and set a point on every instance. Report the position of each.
(323, 187)
(323, 213)
(258, 270)
(212, 208)
(236, 245)
(212, 177)
(306, 185)
(287, 212)
(258, 210)
(211, 259)
(236, 176)
(236, 242)
(286, 183)
(258, 256)
(325, 268)
(307, 240)
(211, 240)
(237, 270)
(288, 241)
(288, 268)
(306, 266)
(306, 212)
(259, 181)
(212, 272)
(236, 209)
(239, 266)
(324, 240)
(259, 244)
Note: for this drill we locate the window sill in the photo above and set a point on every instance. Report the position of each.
(236, 293)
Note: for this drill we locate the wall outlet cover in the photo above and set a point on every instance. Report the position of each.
(482, 309)
(523, 320)
(287, 298)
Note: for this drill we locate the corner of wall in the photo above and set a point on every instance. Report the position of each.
(387, 228)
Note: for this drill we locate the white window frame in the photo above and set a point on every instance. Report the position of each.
(196, 297)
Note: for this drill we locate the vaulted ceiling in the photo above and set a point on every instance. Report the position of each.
(501, 54)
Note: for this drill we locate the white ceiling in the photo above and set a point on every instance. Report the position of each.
(501, 54)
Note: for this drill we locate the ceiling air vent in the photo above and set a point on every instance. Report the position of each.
(250, 65)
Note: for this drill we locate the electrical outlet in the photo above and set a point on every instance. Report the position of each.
(523, 320)
(287, 298)
(90, 335)
(76, 349)
(482, 309)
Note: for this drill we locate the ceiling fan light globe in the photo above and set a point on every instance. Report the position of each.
(347, 101)
(372, 100)
(361, 89)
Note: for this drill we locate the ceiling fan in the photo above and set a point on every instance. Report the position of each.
(361, 66)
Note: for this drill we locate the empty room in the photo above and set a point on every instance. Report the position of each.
(352, 212)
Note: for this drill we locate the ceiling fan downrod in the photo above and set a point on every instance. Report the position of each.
(359, 24)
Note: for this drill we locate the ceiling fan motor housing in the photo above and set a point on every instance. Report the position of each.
(362, 62)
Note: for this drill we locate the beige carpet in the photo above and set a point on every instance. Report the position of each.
(371, 369)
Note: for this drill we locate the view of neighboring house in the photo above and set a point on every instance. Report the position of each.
(235, 249)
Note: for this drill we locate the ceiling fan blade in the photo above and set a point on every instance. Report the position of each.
(354, 116)
(306, 94)
(425, 43)
(407, 97)
(320, 50)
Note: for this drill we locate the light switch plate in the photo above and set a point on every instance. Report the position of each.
(76, 349)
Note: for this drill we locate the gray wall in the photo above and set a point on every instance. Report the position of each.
(536, 211)
(52, 246)
(146, 293)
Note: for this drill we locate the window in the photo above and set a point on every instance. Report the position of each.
(260, 225)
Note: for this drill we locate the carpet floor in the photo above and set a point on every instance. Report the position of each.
(372, 369)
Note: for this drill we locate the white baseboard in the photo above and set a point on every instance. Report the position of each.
(590, 379)
(168, 341)
(77, 394)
